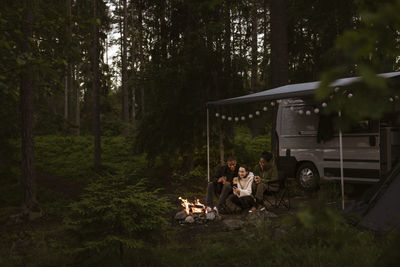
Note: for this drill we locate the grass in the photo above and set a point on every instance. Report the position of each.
(314, 236)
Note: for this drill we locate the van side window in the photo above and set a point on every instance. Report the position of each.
(326, 130)
(295, 124)
(364, 126)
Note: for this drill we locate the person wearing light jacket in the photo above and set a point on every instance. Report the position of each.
(242, 196)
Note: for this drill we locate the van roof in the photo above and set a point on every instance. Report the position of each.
(291, 90)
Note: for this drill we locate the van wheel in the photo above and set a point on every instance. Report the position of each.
(307, 177)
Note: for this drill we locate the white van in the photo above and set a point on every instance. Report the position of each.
(308, 147)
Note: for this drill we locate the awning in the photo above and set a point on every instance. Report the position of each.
(291, 90)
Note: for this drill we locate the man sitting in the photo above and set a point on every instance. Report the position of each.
(221, 184)
(264, 172)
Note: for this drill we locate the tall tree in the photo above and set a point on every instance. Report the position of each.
(78, 102)
(254, 46)
(27, 85)
(95, 84)
(141, 53)
(279, 52)
(124, 55)
(133, 63)
(68, 74)
(279, 45)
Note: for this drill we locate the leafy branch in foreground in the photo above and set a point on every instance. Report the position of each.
(113, 216)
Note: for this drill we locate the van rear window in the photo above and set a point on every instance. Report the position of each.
(295, 120)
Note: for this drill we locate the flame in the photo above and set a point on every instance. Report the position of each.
(190, 207)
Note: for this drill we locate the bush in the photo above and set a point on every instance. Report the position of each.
(114, 216)
(72, 156)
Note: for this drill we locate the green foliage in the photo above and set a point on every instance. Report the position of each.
(370, 48)
(315, 236)
(115, 215)
(248, 149)
(72, 157)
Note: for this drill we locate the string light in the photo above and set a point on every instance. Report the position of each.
(292, 108)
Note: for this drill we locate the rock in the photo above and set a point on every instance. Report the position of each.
(210, 216)
(269, 214)
(233, 224)
(189, 219)
(180, 215)
(257, 217)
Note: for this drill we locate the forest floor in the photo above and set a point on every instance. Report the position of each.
(21, 241)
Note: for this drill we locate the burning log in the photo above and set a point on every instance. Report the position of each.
(194, 212)
(195, 207)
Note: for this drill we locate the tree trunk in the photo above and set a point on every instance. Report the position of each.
(279, 49)
(254, 46)
(163, 32)
(95, 82)
(133, 67)
(227, 43)
(141, 55)
(68, 75)
(125, 93)
(265, 44)
(29, 202)
(279, 53)
(78, 103)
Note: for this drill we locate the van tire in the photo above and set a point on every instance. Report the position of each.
(307, 177)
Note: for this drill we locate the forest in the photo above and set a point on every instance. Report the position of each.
(103, 125)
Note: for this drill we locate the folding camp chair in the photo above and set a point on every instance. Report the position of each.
(281, 196)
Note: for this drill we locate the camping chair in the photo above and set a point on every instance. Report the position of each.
(281, 196)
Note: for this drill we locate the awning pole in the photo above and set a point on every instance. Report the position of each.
(341, 160)
(208, 147)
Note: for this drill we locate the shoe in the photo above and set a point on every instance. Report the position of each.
(260, 207)
(215, 210)
(252, 209)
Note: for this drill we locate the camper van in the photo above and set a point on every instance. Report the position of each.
(308, 146)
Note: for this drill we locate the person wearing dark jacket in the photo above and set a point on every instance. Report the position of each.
(264, 173)
(221, 184)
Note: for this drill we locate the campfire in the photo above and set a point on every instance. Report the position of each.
(193, 212)
(195, 207)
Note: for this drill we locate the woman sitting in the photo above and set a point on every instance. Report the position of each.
(242, 196)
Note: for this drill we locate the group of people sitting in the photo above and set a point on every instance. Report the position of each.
(236, 187)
